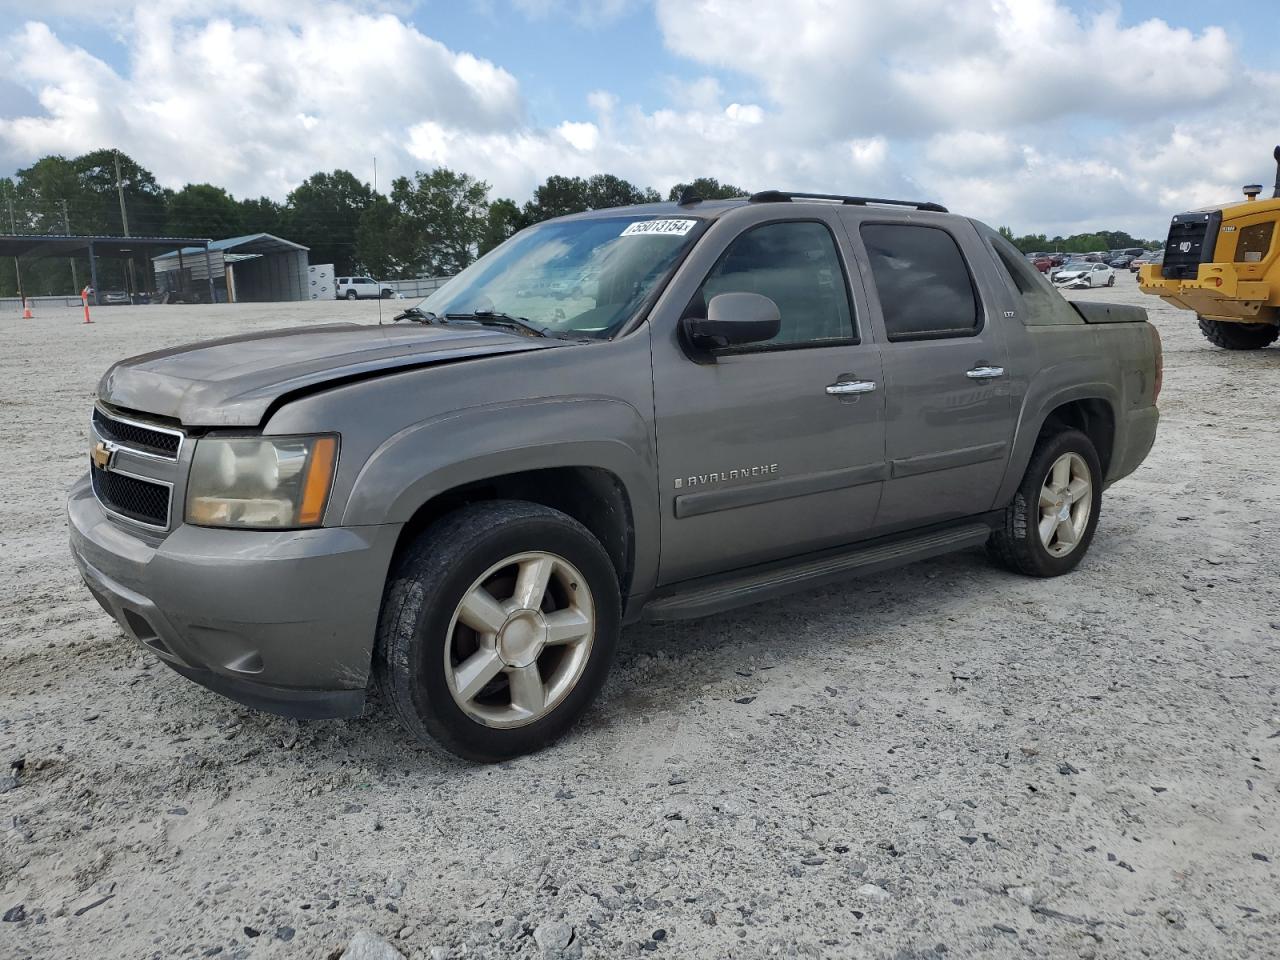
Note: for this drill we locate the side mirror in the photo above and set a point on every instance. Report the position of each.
(733, 319)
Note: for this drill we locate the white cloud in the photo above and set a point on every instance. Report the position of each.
(257, 104)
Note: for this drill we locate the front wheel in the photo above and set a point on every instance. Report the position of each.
(1239, 336)
(1111, 280)
(1048, 528)
(498, 628)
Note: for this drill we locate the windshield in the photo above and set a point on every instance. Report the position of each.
(570, 278)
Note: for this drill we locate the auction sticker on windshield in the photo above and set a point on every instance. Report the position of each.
(674, 227)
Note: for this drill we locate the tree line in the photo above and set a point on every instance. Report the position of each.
(429, 224)
(1077, 242)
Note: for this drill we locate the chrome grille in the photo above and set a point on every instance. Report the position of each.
(145, 438)
(136, 499)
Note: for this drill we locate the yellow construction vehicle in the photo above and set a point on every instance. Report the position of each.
(1224, 263)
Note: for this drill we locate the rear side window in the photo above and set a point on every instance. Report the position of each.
(794, 264)
(923, 282)
(1028, 281)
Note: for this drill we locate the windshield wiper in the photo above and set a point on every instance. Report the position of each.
(417, 315)
(492, 318)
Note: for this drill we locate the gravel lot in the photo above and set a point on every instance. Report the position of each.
(945, 760)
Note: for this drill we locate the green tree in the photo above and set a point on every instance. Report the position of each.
(504, 220)
(383, 247)
(262, 215)
(557, 197)
(605, 190)
(203, 210)
(442, 218)
(144, 199)
(708, 188)
(323, 213)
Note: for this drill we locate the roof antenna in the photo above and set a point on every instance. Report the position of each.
(689, 195)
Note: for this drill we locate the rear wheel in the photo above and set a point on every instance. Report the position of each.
(352, 295)
(498, 627)
(1050, 524)
(1239, 336)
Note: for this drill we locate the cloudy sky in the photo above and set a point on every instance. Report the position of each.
(1045, 115)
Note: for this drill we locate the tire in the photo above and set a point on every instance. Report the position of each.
(352, 295)
(1111, 280)
(1019, 543)
(388, 293)
(1239, 336)
(422, 624)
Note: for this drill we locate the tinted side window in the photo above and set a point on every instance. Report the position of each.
(795, 265)
(924, 285)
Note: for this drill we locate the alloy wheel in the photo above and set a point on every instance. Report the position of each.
(519, 639)
(1066, 503)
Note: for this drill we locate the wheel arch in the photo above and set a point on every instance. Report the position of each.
(1092, 416)
(1090, 408)
(595, 497)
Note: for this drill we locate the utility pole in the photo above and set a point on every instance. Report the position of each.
(13, 228)
(66, 226)
(124, 222)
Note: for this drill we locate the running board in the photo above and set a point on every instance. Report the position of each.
(710, 595)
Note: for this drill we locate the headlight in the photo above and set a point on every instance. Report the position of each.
(273, 483)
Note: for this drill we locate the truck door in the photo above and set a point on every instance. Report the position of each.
(777, 448)
(949, 418)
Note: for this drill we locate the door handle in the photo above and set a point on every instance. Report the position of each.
(843, 387)
(984, 373)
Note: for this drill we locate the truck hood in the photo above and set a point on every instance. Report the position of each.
(234, 382)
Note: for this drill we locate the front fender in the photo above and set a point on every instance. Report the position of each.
(434, 456)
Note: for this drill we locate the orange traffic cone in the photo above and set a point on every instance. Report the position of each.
(26, 310)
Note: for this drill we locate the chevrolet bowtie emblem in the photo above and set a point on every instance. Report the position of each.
(101, 455)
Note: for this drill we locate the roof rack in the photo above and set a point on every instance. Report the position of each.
(786, 196)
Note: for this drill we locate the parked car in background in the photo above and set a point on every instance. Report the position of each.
(361, 288)
(1084, 273)
(1120, 261)
(1060, 258)
(1043, 263)
(114, 298)
(1151, 256)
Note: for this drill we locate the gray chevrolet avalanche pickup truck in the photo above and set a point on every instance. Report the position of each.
(638, 414)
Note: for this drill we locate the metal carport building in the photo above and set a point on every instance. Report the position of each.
(256, 268)
(21, 246)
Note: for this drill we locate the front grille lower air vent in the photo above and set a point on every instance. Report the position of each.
(135, 499)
